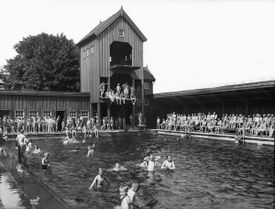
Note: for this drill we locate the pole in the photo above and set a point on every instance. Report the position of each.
(142, 91)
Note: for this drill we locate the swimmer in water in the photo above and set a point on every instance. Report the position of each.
(45, 162)
(36, 149)
(91, 150)
(150, 163)
(132, 194)
(125, 199)
(99, 180)
(168, 164)
(117, 168)
(76, 150)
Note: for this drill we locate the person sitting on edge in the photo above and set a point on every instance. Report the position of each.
(117, 168)
(45, 161)
(91, 150)
(99, 180)
(36, 149)
(168, 164)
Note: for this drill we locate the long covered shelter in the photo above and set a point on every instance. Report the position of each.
(246, 98)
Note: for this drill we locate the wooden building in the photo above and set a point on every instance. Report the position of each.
(246, 98)
(44, 103)
(113, 53)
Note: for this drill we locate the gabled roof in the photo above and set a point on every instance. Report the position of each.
(148, 76)
(106, 23)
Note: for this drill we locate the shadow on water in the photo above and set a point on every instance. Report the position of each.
(209, 174)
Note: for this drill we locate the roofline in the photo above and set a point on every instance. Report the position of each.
(219, 89)
(120, 13)
(43, 93)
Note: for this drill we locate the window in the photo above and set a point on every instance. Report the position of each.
(47, 114)
(120, 33)
(73, 114)
(33, 114)
(19, 113)
(88, 51)
(146, 88)
(84, 113)
(92, 49)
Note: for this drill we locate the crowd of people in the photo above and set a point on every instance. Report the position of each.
(120, 94)
(250, 125)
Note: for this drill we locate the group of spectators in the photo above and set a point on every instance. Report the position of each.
(250, 125)
(45, 124)
(120, 94)
(50, 124)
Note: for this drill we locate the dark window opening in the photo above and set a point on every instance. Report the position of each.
(120, 53)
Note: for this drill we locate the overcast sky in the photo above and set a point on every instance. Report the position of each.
(191, 44)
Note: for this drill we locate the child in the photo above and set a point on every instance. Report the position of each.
(36, 150)
(45, 161)
(117, 168)
(91, 150)
(168, 164)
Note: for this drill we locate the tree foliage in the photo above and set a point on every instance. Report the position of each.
(43, 62)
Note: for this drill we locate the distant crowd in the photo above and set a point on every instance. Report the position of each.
(50, 124)
(120, 94)
(250, 125)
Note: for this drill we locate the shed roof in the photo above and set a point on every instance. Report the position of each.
(44, 93)
(219, 89)
(106, 23)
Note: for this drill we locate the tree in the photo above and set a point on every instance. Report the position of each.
(43, 62)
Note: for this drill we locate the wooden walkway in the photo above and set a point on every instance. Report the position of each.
(226, 137)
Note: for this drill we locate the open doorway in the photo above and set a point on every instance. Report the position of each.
(61, 117)
(4, 113)
(120, 53)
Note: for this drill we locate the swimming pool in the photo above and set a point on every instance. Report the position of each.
(209, 174)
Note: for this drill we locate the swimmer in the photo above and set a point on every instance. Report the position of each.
(117, 168)
(132, 193)
(99, 180)
(168, 164)
(125, 199)
(45, 161)
(150, 163)
(36, 150)
(91, 150)
(75, 150)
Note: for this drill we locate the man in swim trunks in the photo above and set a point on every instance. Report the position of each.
(168, 164)
(150, 163)
(99, 180)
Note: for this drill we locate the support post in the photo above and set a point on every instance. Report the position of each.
(142, 91)
(133, 106)
(91, 110)
(98, 114)
(109, 102)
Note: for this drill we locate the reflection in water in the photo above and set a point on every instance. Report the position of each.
(209, 174)
(10, 197)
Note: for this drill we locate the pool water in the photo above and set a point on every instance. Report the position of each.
(209, 173)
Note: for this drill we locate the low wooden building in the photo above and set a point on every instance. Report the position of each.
(44, 103)
(246, 98)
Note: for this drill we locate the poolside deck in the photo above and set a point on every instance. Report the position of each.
(226, 137)
(109, 133)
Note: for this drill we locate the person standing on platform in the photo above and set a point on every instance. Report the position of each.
(20, 143)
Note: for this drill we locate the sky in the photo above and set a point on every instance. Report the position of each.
(191, 43)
